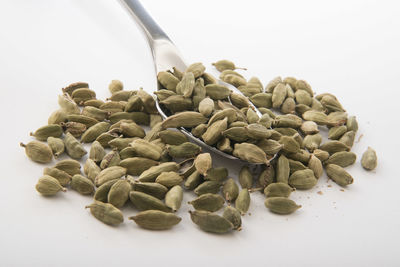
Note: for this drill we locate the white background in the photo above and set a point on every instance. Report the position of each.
(349, 48)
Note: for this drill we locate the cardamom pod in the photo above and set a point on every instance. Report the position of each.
(155, 220)
(278, 190)
(242, 202)
(106, 213)
(49, 186)
(119, 193)
(338, 175)
(38, 151)
(173, 198)
(144, 201)
(82, 184)
(281, 205)
(208, 202)
(210, 222)
(57, 145)
(369, 159)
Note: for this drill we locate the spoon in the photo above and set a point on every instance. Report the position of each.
(166, 56)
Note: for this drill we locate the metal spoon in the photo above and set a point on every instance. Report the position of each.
(166, 56)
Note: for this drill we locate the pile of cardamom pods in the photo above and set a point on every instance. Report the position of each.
(137, 157)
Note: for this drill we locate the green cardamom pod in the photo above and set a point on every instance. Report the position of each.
(70, 166)
(233, 215)
(137, 165)
(106, 213)
(282, 170)
(267, 176)
(154, 189)
(312, 141)
(296, 165)
(336, 132)
(63, 177)
(338, 175)
(281, 205)
(153, 172)
(95, 131)
(172, 137)
(245, 177)
(203, 163)
(155, 220)
(97, 152)
(369, 159)
(303, 179)
(185, 150)
(250, 153)
(290, 145)
(88, 121)
(57, 117)
(208, 202)
(111, 173)
(217, 91)
(262, 100)
(67, 104)
(207, 187)
(214, 132)
(57, 145)
(278, 190)
(230, 190)
(49, 186)
(342, 158)
(167, 80)
(82, 184)
(316, 166)
(144, 201)
(186, 85)
(348, 139)
(73, 148)
(270, 146)
(102, 191)
(169, 179)
(119, 193)
(225, 64)
(242, 202)
(309, 127)
(83, 94)
(184, 119)
(173, 198)
(193, 180)
(210, 222)
(334, 146)
(352, 124)
(54, 130)
(321, 154)
(115, 86)
(91, 169)
(38, 151)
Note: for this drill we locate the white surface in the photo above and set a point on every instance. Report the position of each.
(349, 48)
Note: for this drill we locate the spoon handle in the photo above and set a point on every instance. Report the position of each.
(165, 53)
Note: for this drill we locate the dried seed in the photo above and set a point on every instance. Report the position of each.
(88, 121)
(75, 128)
(290, 145)
(208, 202)
(303, 179)
(336, 132)
(211, 222)
(321, 154)
(245, 178)
(137, 165)
(234, 80)
(57, 117)
(193, 180)
(63, 177)
(282, 170)
(153, 172)
(250, 153)
(106, 213)
(338, 175)
(38, 152)
(112, 158)
(73, 148)
(115, 86)
(312, 142)
(278, 95)
(278, 190)
(97, 152)
(149, 104)
(267, 176)
(172, 137)
(303, 85)
(54, 130)
(82, 184)
(217, 91)
(343, 159)
(144, 201)
(316, 166)
(184, 119)
(119, 193)
(272, 84)
(169, 179)
(155, 220)
(369, 159)
(101, 193)
(185, 150)
(334, 146)
(225, 64)
(281, 205)
(49, 186)
(70, 166)
(262, 100)
(233, 215)
(83, 94)
(73, 86)
(196, 68)
(214, 131)
(230, 190)
(57, 145)
(167, 80)
(270, 146)
(111, 173)
(352, 124)
(91, 169)
(186, 85)
(206, 106)
(203, 163)
(242, 202)
(67, 104)
(154, 189)
(348, 139)
(207, 187)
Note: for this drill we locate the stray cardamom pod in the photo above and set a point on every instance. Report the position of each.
(209, 202)
(338, 175)
(369, 159)
(278, 190)
(54, 130)
(303, 179)
(242, 202)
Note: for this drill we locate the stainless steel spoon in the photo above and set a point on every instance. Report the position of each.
(165, 57)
